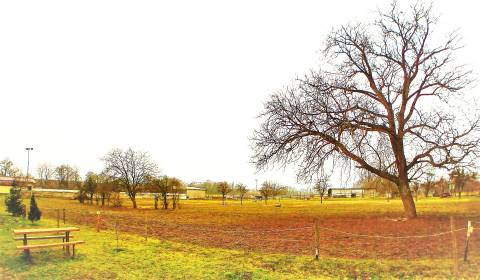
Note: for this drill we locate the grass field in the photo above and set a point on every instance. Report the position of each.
(205, 240)
(4, 189)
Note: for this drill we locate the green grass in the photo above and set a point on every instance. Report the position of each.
(4, 189)
(157, 259)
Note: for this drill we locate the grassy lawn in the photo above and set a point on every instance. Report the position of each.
(159, 259)
(4, 189)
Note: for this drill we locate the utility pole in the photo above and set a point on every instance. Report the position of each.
(28, 167)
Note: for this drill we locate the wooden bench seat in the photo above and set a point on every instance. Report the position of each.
(43, 237)
(54, 233)
(60, 244)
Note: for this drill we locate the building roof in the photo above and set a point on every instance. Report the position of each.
(19, 179)
(195, 188)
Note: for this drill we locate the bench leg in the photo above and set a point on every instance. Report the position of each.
(26, 252)
(73, 250)
(67, 239)
(27, 255)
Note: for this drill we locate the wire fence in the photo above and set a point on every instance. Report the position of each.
(309, 238)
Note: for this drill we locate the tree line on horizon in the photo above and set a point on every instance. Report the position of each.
(131, 172)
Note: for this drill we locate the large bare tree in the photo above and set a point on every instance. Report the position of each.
(133, 169)
(378, 102)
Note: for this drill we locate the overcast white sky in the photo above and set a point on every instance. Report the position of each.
(183, 80)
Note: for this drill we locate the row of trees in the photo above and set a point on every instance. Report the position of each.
(459, 180)
(62, 176)
(133, 172)
(8, 169)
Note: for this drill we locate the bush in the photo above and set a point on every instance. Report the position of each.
(13, 201)
(34, 214)
(116, 200)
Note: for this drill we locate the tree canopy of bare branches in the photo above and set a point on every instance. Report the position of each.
(45, 172)
(371, 104)
(133, 169)
(242, 190)
(7, 168)
(66, 174)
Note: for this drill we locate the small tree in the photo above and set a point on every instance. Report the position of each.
(460, 177)
(429, 183)
(224, 189)
(162, 185)
(116, 199)
(277, 190)
(158, 187)
(241, 190)
(35, 213)
(440, 187)
(266, 190)
(45, 173)
(322, 186)
(90, 185)
(13, 201)
(175, 185)
(105, 187)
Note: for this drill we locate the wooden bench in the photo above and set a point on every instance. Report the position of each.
(65, 236)
(43, 237)
(60, 244)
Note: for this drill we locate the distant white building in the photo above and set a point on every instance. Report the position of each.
(351, 192)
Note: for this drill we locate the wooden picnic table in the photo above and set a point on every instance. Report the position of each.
(44, 230)
(29, 231)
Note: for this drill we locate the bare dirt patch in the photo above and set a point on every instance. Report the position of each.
(256, 227)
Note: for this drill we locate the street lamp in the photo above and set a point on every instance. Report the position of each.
(28, 163)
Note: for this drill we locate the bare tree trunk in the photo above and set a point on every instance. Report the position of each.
(165, 201)
(134, 202)
(407, 200)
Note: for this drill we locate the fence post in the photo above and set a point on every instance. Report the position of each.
(116, 233)
(146, 227)
(98, 221)
(454, 247)
(317, 240)
(63, 215)
(58, 217)
(469, 232)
